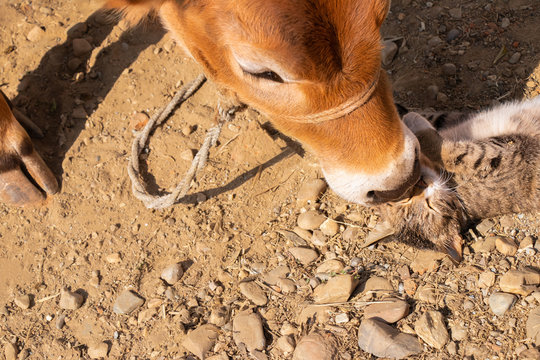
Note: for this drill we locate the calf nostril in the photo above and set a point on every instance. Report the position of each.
(371, 194)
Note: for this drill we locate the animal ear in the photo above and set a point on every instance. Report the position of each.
(454, 248)
(134, 10)
(381, 8)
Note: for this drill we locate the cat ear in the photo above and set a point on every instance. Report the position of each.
(454, 247)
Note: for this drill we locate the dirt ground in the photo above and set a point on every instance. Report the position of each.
(95, 237)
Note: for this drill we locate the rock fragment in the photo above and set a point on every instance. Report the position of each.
(378, 284)
(70, 300)
(532, 326)
(316, 346)
(430, 327)
(329, 227)
(333, 266)
(337, 289)
(285, 344)
(382, 340)
(520, 282)
(389, 52)
(310, 220)
(23, 301)
(127, 302)
(10, 351)
(98, 350)
(248, 330)
(310, 191)
(390, 312)
(35, 34)
(304, 255)
(272, 277)
(499, 302)
(505, 245)
(253, 292)
(81, 47)
(201, 340)
(172, 273)
(486, 279)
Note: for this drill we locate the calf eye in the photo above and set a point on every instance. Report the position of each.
(268, 75)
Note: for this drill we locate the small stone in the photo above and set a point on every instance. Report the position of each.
(434, 41)
(519, 282)
(154, 303)
(427, 294)
(172, 273)
(441, 97)
(389, 52)
(320, 314)
(138, 121)
(221, 356)
(145, 315)
(23, 301)
(527, 242)
(499, 303)
(113, 258)
(10, 351)
(451, 348)
(505, 245)
(294, 238)
(455, 13)
(285, 344)
(127, 302)
(484, 246)
(310, 220)
(79, 112)
(505, 22)
(187, 155)
(318, 238)
(342, 318)
(452, 35)
(382, 340)
(316, 346)
(333, 266)
(532, 327)
(201, 340)
(70, 300)
(377, 284)
(304, 255)
(35, 34)
(390, 312)
(459, 332)
(432, 91)
(430, 328)
(310, 191)
(530, 354)
(287, 286)
(484, 226)
(81, 47)
(73, 64)
(60, 321)
(351, 233)
(514, 58)
(329, 227)
(98, 351)
(304, 234)
(219, 315)
(253, 292)
(248, 330)
(337, 289)
(449, 69)
(272, 277)
(486, 280)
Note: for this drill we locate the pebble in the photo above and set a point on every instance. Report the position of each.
(389, 52)
(434, 41)
(81, 47)
(248, 330)
(333, 266)
(427, 294)
(499, 302)
(453, 34)
(530, 354)
(221, 356)
(342, 318)
(486, 279)
(253, 292)
(505, 245)
(287, 286)
(432, 91)
(520, 282)
(304, 255)
(10, 351)
(430, 327)
(527, 242)
(316, 346)
(285, 344)
(23, 301)
(318, 238)
(127, 302)
(219, 315)
(484, 226)
(337, 289)
(272, 277)
(70, 300)
(351, 233)
(79, 112)
(201, 340)
(514, 58)
(113, 258)
(484, 246)
(449, 69)
(320, 314)
(310, 191)
(390, 312)
(145, 315)
(329, 227)
(382, 340)
(60, 321)
(304, 234)
(172, 273)
(455, 13)
(310, 220)
(459, 332)
(138, 121)
(98, 351)
(532, 327)
(378, 284)
(505, 22)
(73, 64)
(35, 34)
(187, 155)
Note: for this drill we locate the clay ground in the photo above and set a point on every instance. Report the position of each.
(250, 184)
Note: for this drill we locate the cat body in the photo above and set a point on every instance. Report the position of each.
(486, 166)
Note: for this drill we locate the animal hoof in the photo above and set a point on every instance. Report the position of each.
(16, 189)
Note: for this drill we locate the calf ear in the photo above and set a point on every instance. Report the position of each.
(380, 9)
(134, 10)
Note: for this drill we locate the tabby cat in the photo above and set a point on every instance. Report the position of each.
(487, 165)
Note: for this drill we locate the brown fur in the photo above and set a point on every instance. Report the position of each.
(480, 177)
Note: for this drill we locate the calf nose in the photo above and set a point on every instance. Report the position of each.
(398, 193)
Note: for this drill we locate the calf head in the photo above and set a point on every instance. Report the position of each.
(313, 67)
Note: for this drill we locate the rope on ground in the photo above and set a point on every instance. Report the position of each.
(180, 191)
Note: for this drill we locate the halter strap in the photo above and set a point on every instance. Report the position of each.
(339, 111)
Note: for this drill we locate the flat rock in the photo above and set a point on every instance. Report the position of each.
(382, 340)
(390, 312)
(253, 292)
(333, 266)
(459, 332)
(98, 350)
(378, 284)
(248, 330)
(316, 346)
(201, 340)
(287, 286)
(310, 191)
(172, 273)
(304, 255)
(351, 233)
(81, 47)
(486, 279)
(35, 34)
(23, 301)
(521, 282)
(127, 302)
(527, 242)
(70, 300)
(499, 302)
(337, 289)
(389, 52)
(426, 260)
(329, 227)
(285, 344)
(505, 245)
(272, 277)
(532, 326)
(310, 220)
(430, 327)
